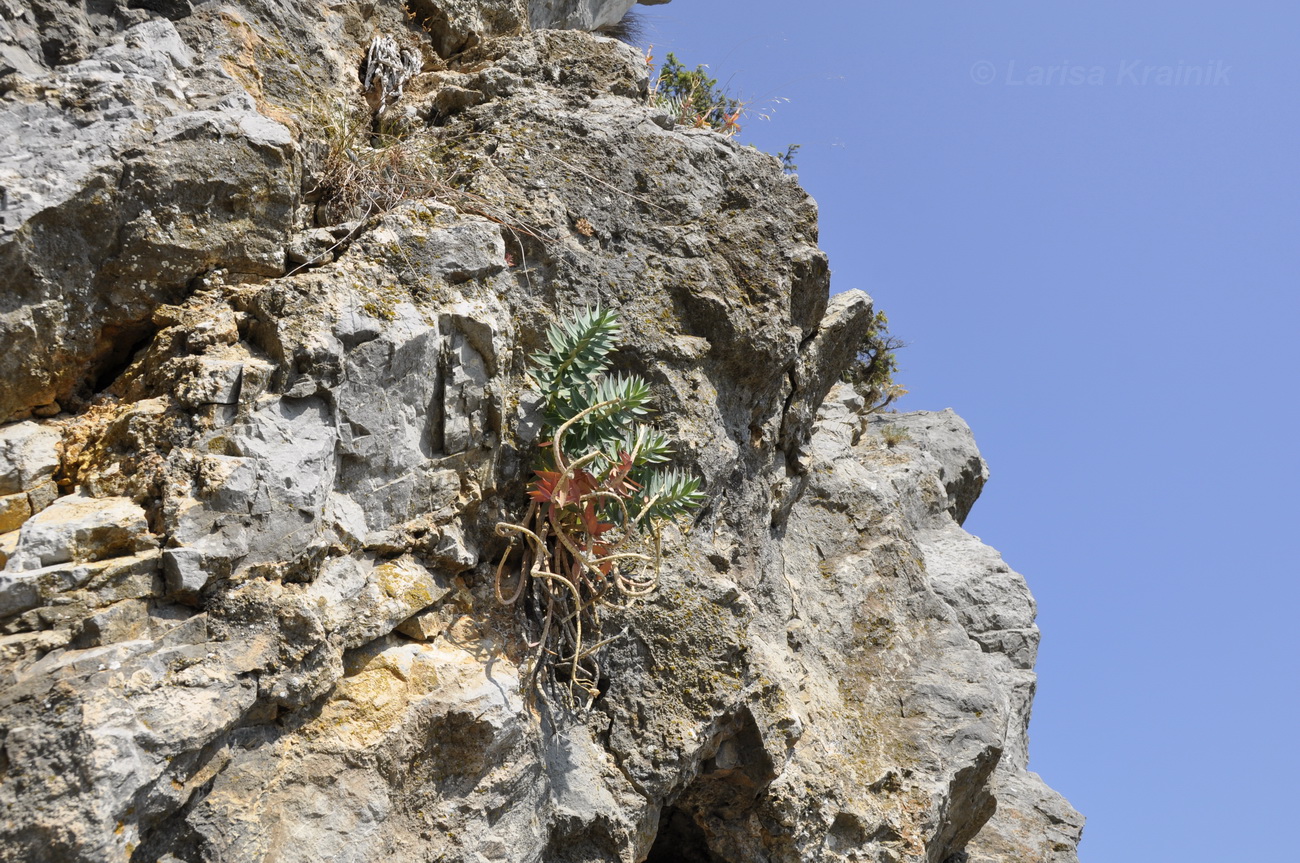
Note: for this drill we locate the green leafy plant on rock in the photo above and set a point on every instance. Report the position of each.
(872, 370)
(694, 99)
(893, 435)
(598, 499)
(787, 158)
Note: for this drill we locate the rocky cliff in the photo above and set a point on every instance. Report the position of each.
(272, 272)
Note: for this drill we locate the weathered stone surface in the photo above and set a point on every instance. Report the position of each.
(80, 529)
(127, 170)
(581, 14)
(1033, 822)
(29, 456)
(62, 594)
(143, 705)
(8, 542)
(186, 571)
(311, 663)
(14, 510)
(948, 441)
(456, 25)
(426, 625)
(41, 496)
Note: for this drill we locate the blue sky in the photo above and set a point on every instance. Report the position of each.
(1096, 264)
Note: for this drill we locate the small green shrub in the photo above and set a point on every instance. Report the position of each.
(694, 99)
(893, 435)
(787, 158)
(872, 370)
(598, 498)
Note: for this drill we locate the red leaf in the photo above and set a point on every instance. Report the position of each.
(582, 482)
(591, 523)
(617, 481)
(544, 486)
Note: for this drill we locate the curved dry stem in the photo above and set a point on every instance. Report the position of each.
(564, 429)
(506, 529)
(645, 509)
(563, 536)
(570, 566)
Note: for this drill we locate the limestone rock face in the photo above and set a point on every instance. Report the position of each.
(581, 14)
(268, 403)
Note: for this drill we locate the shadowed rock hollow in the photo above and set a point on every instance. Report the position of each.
(274, 270)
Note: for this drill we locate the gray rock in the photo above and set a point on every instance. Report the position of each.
(118, 86)
(29, 456)
(580, 14)
(312, 663)
(948, 440)
(1032, 822)
(64, 593)
(187, 571)
(80, 529)
(111, 170)
(455, 26)
(127, 620)
(42, 495)
(836, 333)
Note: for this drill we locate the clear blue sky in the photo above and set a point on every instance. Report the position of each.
(1098, 267)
